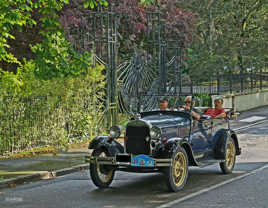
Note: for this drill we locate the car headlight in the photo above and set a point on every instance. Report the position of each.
(155, 132)
(115, 131)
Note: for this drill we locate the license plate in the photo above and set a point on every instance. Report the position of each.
(142, 161)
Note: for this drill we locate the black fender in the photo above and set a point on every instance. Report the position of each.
(171, 145)
(112, 146)
(220, 141)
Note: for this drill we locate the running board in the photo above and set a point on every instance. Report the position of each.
(204, 163)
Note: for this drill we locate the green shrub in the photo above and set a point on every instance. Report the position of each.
(204, 100)
(50, 112)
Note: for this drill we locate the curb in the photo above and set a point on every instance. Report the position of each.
(43, 175)
(73, 169)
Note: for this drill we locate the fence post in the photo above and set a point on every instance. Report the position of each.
(251, 79)
(230, 81)
(260, 79)
(210, 85)
(180, 66)
(191, 87)
(218, 82)
(241, 80)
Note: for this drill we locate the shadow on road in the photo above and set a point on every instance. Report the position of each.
(149, 190)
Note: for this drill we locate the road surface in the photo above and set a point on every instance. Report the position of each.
(205, 187)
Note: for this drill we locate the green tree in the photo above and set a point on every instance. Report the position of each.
(228, 33)
(18, 16)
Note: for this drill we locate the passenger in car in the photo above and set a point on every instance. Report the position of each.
(188, 103)
(218, 111)
(163, 104)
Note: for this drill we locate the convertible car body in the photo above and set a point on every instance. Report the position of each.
(166, 141)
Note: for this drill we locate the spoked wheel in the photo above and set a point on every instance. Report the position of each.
(101, 175)
(230, 156)
(178, 171)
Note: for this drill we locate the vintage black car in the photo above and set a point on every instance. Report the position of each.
(166, 141)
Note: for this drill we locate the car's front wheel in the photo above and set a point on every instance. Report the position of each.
(101, 175)
(177, 173)
(230, 156)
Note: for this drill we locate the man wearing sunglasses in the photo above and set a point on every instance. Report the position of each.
(188, 106)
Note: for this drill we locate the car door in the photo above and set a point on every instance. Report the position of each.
(201, 137)
(218, 124)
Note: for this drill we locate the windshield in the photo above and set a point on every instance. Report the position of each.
(166, 118)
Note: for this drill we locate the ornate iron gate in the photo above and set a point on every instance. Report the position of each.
(150, 73)
(99, 37)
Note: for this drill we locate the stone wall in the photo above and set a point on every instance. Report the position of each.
(243, 102)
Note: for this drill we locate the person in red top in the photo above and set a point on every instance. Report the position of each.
(218, 111)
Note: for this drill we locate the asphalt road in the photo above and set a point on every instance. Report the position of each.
(249, 192)
(203, 189)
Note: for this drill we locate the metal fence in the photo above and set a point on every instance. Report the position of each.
(39, 121)
(217, 84)
(50, 120)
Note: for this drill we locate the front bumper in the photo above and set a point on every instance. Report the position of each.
(127, 160)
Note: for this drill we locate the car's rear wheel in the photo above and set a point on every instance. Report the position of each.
(230, 157)
(177, 173)
(101, 175)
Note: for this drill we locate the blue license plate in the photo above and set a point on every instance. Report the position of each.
(142, 161)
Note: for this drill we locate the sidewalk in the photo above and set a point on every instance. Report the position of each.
(19, 171)
(45, 166)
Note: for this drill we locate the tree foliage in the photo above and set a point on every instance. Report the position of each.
(133, 23)
(229, 34)
(19, 20)
(24, 23)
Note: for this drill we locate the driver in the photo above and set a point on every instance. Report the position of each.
(163, 105)
(187, 107)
